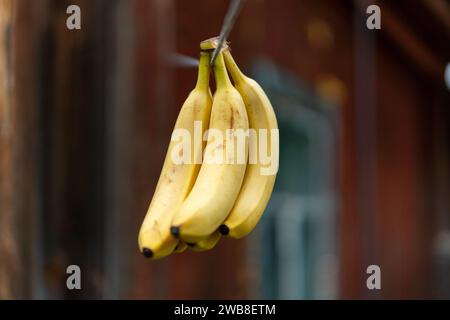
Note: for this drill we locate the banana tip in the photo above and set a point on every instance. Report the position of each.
(147, 252)
(224, 230)
(175, 231)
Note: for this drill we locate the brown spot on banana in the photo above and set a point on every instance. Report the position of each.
(232, 119)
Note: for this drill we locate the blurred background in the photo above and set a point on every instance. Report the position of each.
(86, 117)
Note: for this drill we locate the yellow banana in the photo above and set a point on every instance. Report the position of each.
(177, 179)
(218, 184)
(181, 247)
(207, 243)
(256, 188)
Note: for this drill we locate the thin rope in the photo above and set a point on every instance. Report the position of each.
(230, 19)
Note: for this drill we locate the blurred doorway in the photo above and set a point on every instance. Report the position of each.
(297, 258)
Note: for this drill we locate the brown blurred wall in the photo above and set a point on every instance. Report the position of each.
(93, 112)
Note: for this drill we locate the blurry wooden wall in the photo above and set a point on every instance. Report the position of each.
(85, 125)
(85, 117)
(54, 149)
(8, 244)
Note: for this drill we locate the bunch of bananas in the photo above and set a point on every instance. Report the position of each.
(198, 201)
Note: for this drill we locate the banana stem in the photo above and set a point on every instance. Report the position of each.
(203, 72)
(221, 74)
(211, 44)
(232, 67)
